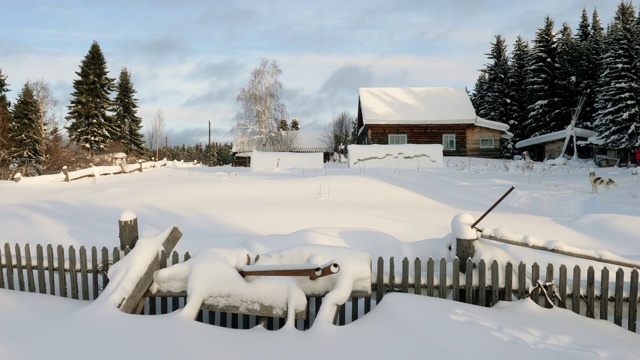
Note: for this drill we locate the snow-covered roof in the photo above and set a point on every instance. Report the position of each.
(558, 135)
(416, 105)
(305, 141)
(489, 124)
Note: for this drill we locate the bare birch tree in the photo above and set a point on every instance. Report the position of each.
(337, 134)
(155, 133)
(49, 111)
(261, 106)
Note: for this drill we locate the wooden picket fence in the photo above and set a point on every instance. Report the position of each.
(82, 275)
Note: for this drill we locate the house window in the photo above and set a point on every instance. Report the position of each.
(486, 143)
(449, 141)
(397, 139)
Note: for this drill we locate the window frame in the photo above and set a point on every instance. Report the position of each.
(403, 137)
(492, 146)
(447, 139)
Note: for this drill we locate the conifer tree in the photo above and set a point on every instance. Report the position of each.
(128, 124)
(589, 42)
(518, 96)
(295, 124)
(479, 95)
(541, 84)
(618, 112)
(91, 125)
(25, 132)
(568, 91)
(5, 120)
(497, 86)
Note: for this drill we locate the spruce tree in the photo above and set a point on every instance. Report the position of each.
(567, 87)
(518, 96)
(128, 124)
(617, 117)
(295, 124)
(479, 95)
(5, 120)
(541, 84)
(497, 87)
(25, 132)
(91, 125)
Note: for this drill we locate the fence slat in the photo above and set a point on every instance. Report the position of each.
(73, 274)
(175, 301)
(548, 280)
(50, 259)
(1, 271)
(604, 294)
(84, 276)
(62, 277)
(417, 276)
(535, 276)
(430, 276)
(443, 278)
(19, 268)
(522, 281)
(42, 285)
(455, 277)
(468, 287)
(618, 295)
(9, 263)
(633, 300)
(482, 283)
(164, 301)
(379, 280)
(508, 281)
(405, 276)
(575, 296)
(94, 272)
(591, 285)
(31, 285)
(562, 288)
(495, 284)
(104, 261)
(392, 275)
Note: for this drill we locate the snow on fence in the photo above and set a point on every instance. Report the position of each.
(82, 274)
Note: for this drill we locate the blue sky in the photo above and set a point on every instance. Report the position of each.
(190, 58)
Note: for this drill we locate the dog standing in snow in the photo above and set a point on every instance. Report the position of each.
(597, 181)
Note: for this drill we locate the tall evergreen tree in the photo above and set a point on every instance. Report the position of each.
(25, 131)
(479, 95)
(517, 77)
(497, 91)
(567, 86)
(128, 124)
(589, 43)
(91, 125)
(5, 120)
(618, 112)
(541, 84)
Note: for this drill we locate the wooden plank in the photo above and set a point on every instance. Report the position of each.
(495, 285)
(591, 290)
(42, 285)
(355, 307)
(535, 276)
(31, 282)
(84, 274)
(468, 286)
(562, 288)
(482, 283)
(379, 280)
(392, 275)
(575, 296)
(73, 273)
(508, 281)
(618, 296)
(94, 272)
(633, 301)
(164, 306)
(1, 271)
(104, 266)
(19, 268)
(50, 267)
(62, 277)
(548, 280)
(175, 301)
(417, 276)
(443, 278)
(9, 266)
(455, 274)
(135, 302)
(404, 287)
(522, 281)
(430, 276)
(604, 294)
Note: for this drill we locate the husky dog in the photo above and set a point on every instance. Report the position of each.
(597, 181)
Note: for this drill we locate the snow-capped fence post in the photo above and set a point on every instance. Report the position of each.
(465, 238)
(128, 225)
(65, 171)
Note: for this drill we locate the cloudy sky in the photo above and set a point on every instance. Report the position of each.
(190, 58)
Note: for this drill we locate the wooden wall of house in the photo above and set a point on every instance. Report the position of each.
(474, 134)
(421, 134)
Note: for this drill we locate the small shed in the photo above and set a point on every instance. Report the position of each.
(427, 115)
(549, 146)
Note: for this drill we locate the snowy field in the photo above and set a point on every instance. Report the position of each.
(389, 211)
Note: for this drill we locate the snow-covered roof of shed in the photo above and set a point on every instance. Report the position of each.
(558, 135)
(416, 105)
(489, 124)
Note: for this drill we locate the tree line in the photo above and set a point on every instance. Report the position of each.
(535, 90)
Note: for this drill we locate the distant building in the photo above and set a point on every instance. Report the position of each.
(300, 141)
(428, 115)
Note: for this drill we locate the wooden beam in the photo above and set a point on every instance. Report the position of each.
(135, 302)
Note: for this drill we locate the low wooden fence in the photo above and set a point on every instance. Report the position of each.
(82, 274)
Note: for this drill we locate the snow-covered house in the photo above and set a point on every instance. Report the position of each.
(427, 115)
(549, 146)
(300, 141)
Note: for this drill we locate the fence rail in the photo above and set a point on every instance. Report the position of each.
(82, 274)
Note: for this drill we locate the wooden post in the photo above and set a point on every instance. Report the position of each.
(128, 225)
(140, 162)
(65, 171)
(465, 250)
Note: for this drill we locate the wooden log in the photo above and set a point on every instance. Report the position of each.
(575, 296)
(19, 268)
(42, 285)
(604, 294)
(9, 266)
(312, 273)
(508, 281)
(455, 274)
(134, 303)
(84, 274)
(482, 283)
(633, 301)
(73, 274)
(618, 296)
(31, 283)
(443, 278)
